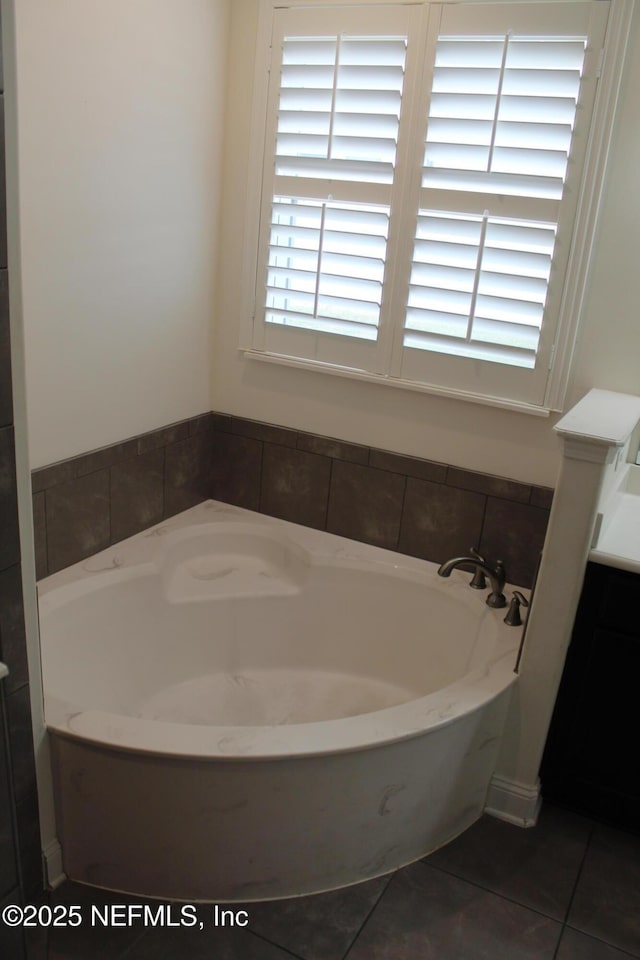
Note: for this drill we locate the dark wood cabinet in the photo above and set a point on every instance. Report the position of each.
(11, 938)
(8, 862)
(592, 757)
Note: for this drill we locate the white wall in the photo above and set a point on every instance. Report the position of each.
(120, 108)
(478, 437)
(608, 352)
(120, 111)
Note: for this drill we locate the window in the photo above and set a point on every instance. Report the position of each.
(422, 177)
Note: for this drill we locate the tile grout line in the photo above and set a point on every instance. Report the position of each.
(579, 873)
(566, 925)
(274, 943)
(374, 907)
(403, 501)
(605, 943)
(44, 532)
(130, 948)
(127, 950)
(329, 487)
(502, 896)
(482, 523)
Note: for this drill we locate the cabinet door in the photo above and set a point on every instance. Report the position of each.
(8, 869)
(591, 760)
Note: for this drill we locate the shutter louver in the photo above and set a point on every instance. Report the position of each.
(326, 267)
(338, 119)
(478, 281)
(500, 124)
(502, 110)
(339, 108)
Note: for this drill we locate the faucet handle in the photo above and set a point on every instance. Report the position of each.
(513, 618)
(479, 581)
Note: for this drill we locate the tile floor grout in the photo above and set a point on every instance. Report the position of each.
(605, 943)
(567, 913)
(368, 916)
(494, 893)
(278, 946)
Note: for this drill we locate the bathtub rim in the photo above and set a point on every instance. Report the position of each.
(154, 737)
(392, 724)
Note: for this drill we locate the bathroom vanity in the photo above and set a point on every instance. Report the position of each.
(590, 762)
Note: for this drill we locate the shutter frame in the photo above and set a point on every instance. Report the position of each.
(402, 369)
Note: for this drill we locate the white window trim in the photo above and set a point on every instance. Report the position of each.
(587, 215)
(590, 201)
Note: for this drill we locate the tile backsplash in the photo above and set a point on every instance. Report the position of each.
(419, 507)
(82, 505)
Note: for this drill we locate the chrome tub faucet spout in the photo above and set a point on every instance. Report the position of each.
(497, 576)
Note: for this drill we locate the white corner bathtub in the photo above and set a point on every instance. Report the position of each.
(242, 708)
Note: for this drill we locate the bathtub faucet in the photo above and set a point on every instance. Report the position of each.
(497, 576)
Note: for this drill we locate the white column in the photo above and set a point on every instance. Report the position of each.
(594, 435)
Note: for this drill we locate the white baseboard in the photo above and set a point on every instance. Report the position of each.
(514, 802)
(53, 869)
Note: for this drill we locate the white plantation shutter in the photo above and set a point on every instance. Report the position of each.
(478, 287)
(500, 122)
(326, 266)
(502, 113)
(339, 107)
(420, 188)
(336, 124)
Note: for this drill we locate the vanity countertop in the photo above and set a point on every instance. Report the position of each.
(617, 543)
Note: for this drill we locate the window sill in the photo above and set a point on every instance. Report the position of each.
(352, 374)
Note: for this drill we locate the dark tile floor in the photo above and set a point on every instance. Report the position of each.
(569, 889)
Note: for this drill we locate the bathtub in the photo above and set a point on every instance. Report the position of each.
(242, 709)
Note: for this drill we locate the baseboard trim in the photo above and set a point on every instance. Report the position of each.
(53, 869)
(517, 803)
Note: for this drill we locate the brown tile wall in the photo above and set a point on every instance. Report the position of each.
(419, 507)
(415, 506)
(82, 505)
